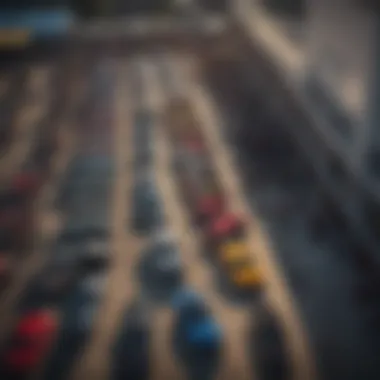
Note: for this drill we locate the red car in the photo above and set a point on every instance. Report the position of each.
(224, 227)
(209, 207)
(31, 341)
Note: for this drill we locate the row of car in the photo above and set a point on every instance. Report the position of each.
(196, 335)
(18, 196)
(223, 231)
(55, 314)
(57, 310)
(147, 212)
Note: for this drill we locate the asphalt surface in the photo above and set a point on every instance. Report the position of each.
(90, 136)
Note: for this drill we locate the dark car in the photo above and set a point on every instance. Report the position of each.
(86, 174)
(95, 255)
(146, 205)
(86, 248)
(267, 347)
(50, 288)
(130, 359)
(197, 336)
(79, 314)
(161, 269)
(76, 234)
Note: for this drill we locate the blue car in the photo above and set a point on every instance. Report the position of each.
(197, 336)
(146, 206)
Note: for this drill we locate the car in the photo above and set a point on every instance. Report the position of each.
(245, 275)
(30, 343)
(160, 268)
(73, 234)
(197, 337)
(146, 206)
(95, 255)
(79, 313)
(86, 173)
(267, 347)
(233, 251)
(208, 207)
(130, 354)
(94, 284)
(224, 227)
(51, 286)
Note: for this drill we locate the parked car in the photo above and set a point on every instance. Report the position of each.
(75, 234)
(95, 255)
(223, 228)
(197, 336)
(267, 347)
(146, 205)
(30, 343)
(209, 207)
(245, 275)
(161, 269)
(86, 174)
(130, 355)
(233, 251)
(50, 288)
(79, 313)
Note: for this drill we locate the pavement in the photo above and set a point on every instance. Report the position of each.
(122, 287)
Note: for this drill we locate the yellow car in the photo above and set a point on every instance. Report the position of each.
(233, 252)
(246, 276)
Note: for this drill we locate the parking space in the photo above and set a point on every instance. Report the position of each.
(152, 224)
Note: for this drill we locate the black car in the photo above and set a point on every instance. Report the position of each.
(146, 206)
(268, 347)
(79, 314)
(130, 358)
